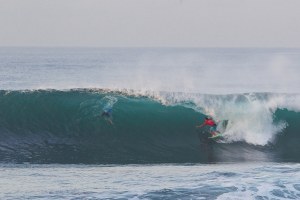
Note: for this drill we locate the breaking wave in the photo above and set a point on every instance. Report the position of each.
(66, 126)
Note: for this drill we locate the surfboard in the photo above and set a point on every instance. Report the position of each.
(221, 127)
(220, 135)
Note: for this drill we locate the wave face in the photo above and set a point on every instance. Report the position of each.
(52, 126)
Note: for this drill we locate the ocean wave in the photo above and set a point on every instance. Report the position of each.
(67, 126)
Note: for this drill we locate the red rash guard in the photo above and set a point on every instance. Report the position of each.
(209, 122)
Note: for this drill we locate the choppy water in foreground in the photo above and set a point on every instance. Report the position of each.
(213, 181)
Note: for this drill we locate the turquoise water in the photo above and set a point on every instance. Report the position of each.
(50, 126)
(55, 143)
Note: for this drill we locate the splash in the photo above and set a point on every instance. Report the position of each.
(250, 116)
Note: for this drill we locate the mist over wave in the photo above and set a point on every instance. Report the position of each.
(206, 71)
(46, 126)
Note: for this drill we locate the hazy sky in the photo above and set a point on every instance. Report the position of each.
(168, 23)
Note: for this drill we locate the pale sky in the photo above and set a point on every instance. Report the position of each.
(150, 23)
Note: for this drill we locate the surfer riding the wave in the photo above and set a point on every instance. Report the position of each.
(213, 126)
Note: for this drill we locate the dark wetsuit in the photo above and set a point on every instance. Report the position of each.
(107, 112)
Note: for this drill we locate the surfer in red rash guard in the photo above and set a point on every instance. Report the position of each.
(210, 122)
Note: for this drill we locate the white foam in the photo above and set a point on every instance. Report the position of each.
(250, 115)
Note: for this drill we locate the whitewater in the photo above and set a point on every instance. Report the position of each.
(51, 101)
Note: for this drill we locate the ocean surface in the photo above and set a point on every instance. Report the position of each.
(55, 142)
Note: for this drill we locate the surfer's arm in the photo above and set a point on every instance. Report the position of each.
(200, 125)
